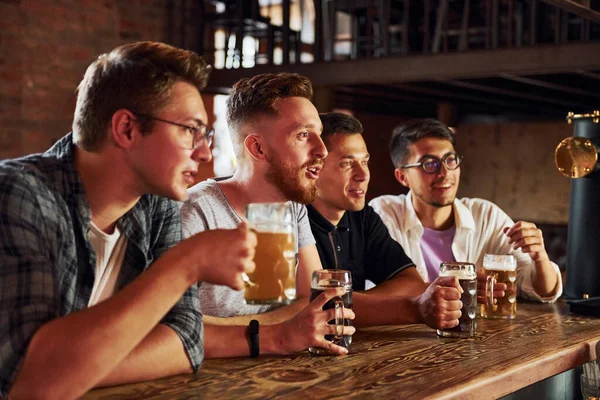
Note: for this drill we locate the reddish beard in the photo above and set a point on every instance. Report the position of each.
(288, 180)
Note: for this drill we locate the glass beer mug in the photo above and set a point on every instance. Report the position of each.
(500, 269)
(467, 278)
(330, 278)
(274, 278)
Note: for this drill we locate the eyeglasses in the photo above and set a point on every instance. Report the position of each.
(432, 165)
(199, 133)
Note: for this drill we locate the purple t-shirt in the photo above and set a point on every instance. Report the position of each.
(436, 247)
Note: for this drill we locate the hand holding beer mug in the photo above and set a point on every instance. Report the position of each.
(274, 278)
(467, 279)
(500, 269)
(329, 278)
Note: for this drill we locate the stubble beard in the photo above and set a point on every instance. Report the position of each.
(436, 204)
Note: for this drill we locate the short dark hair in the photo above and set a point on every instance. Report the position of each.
(136, 76)
(338, 123)
(406, 134)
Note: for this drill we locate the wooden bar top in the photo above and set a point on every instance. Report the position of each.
(408, 362)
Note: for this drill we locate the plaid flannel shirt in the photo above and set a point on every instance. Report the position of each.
(47, 264)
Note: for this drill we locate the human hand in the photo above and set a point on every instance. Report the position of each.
(439, 306)
(527, 237)
(499, 289)
(224, 254)
(309, 327)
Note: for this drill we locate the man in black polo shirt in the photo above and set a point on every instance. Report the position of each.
(353, 237)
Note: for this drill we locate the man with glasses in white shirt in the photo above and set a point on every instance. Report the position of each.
(433, 226)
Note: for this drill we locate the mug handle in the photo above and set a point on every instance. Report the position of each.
(339, 318)
(245, 277)
(489, 294)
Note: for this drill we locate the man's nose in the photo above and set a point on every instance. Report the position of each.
(443, 170)
(202, 154)
(319, 150)
(362, 173)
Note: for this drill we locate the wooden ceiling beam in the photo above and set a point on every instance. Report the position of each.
(549, 85)
(588, 74)
(544, 59)
(576, 8)
(461, 98)
(511, 93)
(382, 105)
(377, 93)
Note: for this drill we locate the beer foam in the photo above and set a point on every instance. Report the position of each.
(499, 266)
(460, 274)
(499, 263)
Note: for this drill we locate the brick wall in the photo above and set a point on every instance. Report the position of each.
(45, 47)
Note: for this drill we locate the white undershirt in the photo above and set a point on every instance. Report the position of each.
(110, 251)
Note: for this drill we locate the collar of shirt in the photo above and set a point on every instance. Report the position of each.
(66, 179)
(323, 223)
(73, 191)
(68, 182)
(463, 219)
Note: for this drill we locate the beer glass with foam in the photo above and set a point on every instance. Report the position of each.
(500, 269)
(274, 279)
(467, 278)
(332, 278)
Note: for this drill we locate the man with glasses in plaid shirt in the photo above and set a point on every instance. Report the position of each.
(81, 224)
(432, 225)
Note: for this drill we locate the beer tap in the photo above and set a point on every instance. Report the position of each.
(576, 157)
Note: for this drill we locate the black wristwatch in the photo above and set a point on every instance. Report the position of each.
(253, 338)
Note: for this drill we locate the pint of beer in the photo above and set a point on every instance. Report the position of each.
(467, 278)
(331, 278)
(500, 269)
(274, 278)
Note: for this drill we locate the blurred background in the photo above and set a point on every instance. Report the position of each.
(502, 73)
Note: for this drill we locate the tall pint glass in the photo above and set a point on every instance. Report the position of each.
(331, 278)
(467, 278)
(274, 278)
(500, 269)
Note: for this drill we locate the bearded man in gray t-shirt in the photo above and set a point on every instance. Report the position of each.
(276, 132)
(207, 208)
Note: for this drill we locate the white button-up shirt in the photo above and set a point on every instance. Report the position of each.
(479, 225)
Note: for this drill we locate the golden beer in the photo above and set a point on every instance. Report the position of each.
(500, 271)
(274, 279)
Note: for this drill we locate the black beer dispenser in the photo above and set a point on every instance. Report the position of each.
(577, 158)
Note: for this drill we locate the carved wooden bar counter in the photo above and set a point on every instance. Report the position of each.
(403, 362)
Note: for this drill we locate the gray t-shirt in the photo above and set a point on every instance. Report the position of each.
(207, 208)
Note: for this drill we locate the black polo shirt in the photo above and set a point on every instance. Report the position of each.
(360, 243)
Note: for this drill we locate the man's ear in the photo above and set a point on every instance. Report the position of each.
(254, 146)
(400, 174)
(123, 128)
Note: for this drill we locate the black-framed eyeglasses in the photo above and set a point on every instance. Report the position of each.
(432, 165)
(199, 133)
